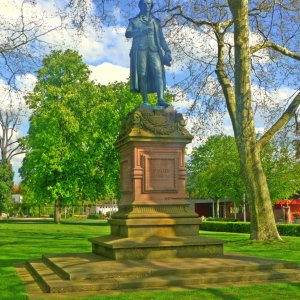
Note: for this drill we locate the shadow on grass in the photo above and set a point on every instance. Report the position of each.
(93, 223)
(11, 263)
(24, 221)
(50, 221)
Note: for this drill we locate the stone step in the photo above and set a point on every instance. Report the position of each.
(59, 271)
(50, 282)
(211, 279)
(91, 268)
(42, 274)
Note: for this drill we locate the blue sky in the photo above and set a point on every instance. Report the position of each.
(107, 53)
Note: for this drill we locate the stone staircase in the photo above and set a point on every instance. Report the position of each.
(88, 272)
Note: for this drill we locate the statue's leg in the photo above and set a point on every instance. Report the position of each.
(157, 69)
(142, 74)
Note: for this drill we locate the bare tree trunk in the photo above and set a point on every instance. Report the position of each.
(263, 225)
(57, 212)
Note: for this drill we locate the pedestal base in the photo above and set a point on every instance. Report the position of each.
(154, 220)
(156, 247)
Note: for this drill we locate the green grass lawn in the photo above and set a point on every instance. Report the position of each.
(22, 241)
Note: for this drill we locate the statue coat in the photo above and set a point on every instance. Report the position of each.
(136, 24)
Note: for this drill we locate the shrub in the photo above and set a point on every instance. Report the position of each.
(96, 217)
(240, 227)
(222, 219)
(244, 227)
(289, 229)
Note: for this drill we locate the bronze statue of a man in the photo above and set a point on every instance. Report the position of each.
(148, 55)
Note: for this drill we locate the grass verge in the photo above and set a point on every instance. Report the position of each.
(19, 242)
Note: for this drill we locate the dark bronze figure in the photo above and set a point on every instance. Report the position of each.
(148, 55)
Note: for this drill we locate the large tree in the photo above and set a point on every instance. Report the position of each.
(73, 127)
(241, 111)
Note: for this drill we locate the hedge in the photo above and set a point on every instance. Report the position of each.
(244, 227)
(289, 229)
(96, 217)
(222, 219)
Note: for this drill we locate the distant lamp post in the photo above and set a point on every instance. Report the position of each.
(244, 207)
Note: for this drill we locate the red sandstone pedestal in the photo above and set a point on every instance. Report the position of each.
(154, 218)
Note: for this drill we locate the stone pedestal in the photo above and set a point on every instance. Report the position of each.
(154, 219)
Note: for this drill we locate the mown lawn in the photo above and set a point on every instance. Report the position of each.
(19, 242)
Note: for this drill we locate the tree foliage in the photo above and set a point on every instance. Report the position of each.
(73, 127)
(282, 169)
(6, 184)
(214, 170)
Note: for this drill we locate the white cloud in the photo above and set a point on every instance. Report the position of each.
(95, 45)
(36, 18)
(14, 100)
(26, 82)
(269, 105)
(272, 99)
(108, 73)
(108, 45)
(182, 102)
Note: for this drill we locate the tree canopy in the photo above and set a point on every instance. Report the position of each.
(282, 169)
(73, 127)
(6, 184)
(214, 170)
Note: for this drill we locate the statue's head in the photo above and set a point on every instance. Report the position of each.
(145, 5)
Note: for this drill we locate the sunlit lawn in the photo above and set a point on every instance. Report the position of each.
(19, 242)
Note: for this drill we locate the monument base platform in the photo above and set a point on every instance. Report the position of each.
(87, 274)
(139, 248)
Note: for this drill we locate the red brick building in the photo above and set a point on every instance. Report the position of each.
(285, 211)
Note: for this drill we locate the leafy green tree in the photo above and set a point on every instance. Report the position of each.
(6, 184)
(214, 170)
(282, 170)
(73, 127)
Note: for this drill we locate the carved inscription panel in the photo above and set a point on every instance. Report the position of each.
(160, 175)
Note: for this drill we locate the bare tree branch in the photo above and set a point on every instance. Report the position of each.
(285, 117)
(224, 80)
(276, 47)
(181, 13)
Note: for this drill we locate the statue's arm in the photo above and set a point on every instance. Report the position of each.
(129, 31)
(132, 32)
(163, 42)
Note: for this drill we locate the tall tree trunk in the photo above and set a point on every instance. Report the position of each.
(57, 212)
(263, 225)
